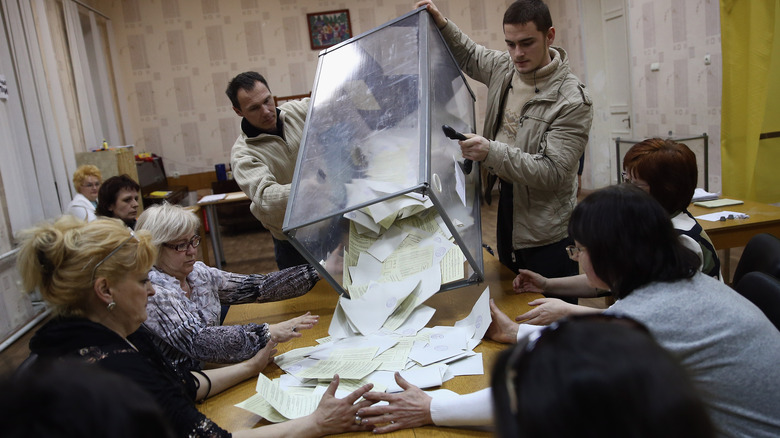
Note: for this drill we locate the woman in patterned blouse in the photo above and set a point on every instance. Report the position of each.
(184, 313)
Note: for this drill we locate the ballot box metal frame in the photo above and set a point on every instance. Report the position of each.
(303, 225)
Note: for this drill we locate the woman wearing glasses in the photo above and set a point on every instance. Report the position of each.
(184, 314)
(86, 180)
(94, 277)
(666, 170)
(625, 243)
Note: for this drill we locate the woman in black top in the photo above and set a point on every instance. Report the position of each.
(95, 278)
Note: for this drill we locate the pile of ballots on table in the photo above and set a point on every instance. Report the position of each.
(425, 356)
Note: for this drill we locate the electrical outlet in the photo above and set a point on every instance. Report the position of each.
(176, 174)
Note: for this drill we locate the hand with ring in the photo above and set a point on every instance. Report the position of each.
(336, 415)
(411, 408)
(284, 331)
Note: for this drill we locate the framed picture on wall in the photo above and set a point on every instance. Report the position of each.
(328, 28)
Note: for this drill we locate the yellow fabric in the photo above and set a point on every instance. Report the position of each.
(750, 35)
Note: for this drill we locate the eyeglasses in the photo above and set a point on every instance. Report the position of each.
(194, 242)
(521, 351)
(574, 252)
(132, 236)
(91, 185)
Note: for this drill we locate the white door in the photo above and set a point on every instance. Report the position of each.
(618, 85)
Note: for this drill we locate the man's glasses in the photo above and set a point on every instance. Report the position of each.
(132, 236)
(181, 247)
(574, 252)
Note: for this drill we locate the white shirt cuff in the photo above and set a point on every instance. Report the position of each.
(451, 409)
(528, 331)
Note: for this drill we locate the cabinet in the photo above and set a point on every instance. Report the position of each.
(111, 162)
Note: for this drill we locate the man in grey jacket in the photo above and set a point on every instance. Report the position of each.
(536, 127)
(264, 155)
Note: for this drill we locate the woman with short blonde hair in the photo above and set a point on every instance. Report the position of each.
(86, 180)
(95, 276)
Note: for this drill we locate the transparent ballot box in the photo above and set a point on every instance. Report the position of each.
(380, 194)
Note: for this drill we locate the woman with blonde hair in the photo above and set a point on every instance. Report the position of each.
(86, 180)
(95, 277)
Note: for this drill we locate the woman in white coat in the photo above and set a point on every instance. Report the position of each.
(86, 180)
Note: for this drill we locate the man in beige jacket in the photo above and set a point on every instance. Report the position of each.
(536, 127)
(264, 155)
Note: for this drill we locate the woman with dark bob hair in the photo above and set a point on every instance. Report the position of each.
(602, 376)
(118, 198)
(624, 242)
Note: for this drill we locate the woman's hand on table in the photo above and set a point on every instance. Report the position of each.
(529, 281)
(262, 358)
(502, 328)
(284, 331)
(407, 409)
(549, 310)
(336, 415)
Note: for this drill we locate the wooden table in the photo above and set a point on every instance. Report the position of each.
(212, 223)
(321, 300)
(733, 233)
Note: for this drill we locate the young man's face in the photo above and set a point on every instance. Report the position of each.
(528, 47)
(257, 106)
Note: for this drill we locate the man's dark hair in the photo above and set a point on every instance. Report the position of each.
(109, 191)
(244, 81)
(525, 11)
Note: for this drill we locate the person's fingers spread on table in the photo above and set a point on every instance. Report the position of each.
(546, 311)
(334, 415)
(410, 408)
(286, 330)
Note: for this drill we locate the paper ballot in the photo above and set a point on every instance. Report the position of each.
(370, 311)
(479, 318)
(258, 405)
(287, 405)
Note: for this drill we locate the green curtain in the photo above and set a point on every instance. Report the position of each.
(750, 127)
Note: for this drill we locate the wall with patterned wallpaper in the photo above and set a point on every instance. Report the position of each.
(178, 55)
(684, 95)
